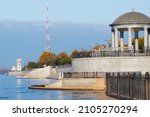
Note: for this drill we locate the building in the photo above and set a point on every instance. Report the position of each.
(13, 68)
(132, 22)
(18, 65)
(119, 59)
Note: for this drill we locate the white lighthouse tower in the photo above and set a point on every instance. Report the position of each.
(18, 66)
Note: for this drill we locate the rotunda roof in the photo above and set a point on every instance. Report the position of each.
(131, 18)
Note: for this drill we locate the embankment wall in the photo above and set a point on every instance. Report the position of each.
(112, 64)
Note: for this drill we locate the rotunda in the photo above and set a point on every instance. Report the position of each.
(130, 22)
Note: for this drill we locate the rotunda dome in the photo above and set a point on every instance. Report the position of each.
(131, 18)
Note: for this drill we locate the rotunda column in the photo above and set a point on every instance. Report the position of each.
(113, 39)
(116, 38)
(149, 39)
(136, 41)
(129, 38)
(121, 40)
(145, 38)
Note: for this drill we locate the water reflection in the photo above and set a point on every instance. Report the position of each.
(12, 88)
(19, 82)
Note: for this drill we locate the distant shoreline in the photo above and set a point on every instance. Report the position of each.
(39, 73)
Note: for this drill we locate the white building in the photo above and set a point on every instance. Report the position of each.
(13, 68)
(18, 66)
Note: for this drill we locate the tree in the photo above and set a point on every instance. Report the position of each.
(47, 58)
(103, 46)
(66, 60)
(32, 65)
(62, 55)
(96, 47)
(140, 43)
(74, 53)
(63, 58)
(99, 47)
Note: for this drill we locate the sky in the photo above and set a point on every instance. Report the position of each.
(93, 11)
(74, 24)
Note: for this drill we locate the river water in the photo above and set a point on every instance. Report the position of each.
(12, 88)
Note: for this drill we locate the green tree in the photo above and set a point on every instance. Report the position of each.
(63, 58)
(32, 65)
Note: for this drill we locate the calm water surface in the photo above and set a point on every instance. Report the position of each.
(12, 88)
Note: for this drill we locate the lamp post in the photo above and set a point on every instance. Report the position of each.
(108, 42)
(91, 50)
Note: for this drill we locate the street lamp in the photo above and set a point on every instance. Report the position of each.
(108, 42)
(91, 50)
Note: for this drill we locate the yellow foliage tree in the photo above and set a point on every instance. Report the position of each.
(47, 58)
(74, 53)
(62, 55)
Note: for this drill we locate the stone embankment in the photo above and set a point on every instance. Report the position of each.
(97, 84)
(46, 72)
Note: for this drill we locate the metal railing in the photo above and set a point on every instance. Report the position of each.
(64, 66)
(111, 53)
(128, 85)
(84, 75)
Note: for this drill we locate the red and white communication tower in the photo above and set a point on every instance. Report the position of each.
(48, 48)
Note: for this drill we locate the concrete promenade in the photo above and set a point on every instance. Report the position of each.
(95, 84)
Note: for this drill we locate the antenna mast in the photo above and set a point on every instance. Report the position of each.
(48, 48)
